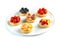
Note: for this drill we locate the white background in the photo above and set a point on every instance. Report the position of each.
(11, 6)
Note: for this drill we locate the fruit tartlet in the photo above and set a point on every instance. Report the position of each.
(23, 11)
(30, 18)
(15, 20)
(42, 12)
(26, 28)
(44, 23)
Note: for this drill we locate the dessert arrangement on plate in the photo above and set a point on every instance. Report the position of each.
(33, 24)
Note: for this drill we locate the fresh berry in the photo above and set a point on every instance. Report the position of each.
(15, 19)
(42, 11)
(24, 10)
(43, 22)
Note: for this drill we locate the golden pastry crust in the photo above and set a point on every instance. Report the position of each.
(26, 28)
(42, 15)
(13, 24)
(45, 25)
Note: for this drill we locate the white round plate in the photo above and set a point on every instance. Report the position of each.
(36, 29)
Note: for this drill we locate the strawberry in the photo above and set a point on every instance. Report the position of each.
(15, 19)
(42, 11)
(11, 20)
(18, 19)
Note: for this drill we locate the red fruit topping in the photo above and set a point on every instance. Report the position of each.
(15, 19)
(11, 20)
(42, 11)
(43, 8)
(43, 22)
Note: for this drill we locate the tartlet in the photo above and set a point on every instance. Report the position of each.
(30, 18)
(44, 23)
(23, 11)
(42, 12)
(15, 20)
(26, 28)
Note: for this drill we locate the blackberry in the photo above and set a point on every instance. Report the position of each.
(26, 9)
